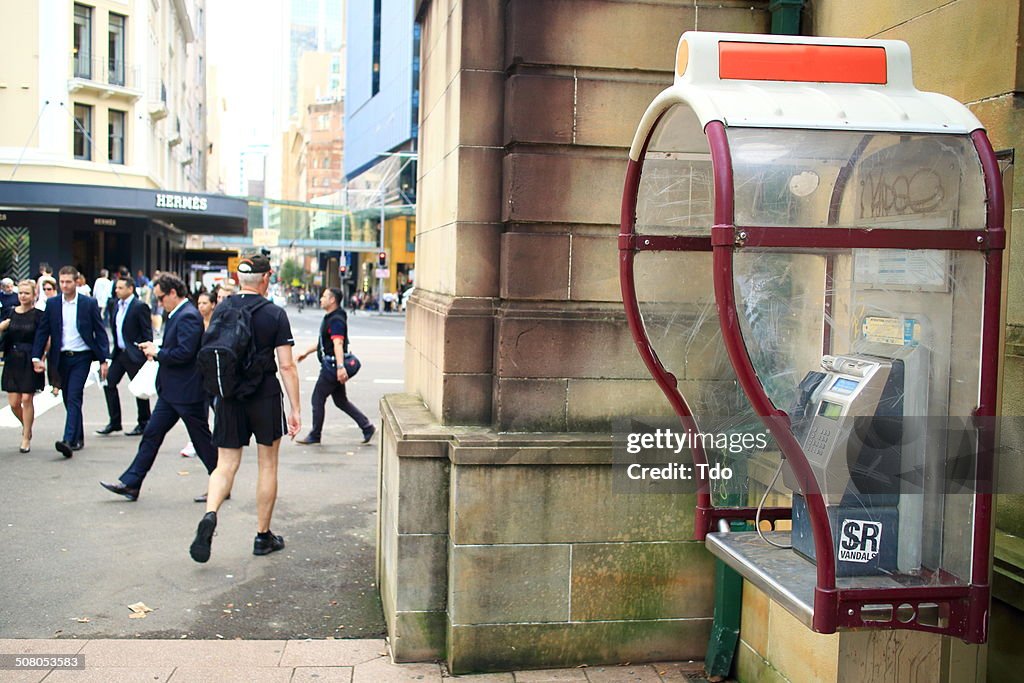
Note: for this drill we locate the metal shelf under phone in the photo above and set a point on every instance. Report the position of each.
(789, 579)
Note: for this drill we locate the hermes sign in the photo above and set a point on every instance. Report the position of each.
(177, 201)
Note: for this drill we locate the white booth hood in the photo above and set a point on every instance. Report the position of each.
(892, 103)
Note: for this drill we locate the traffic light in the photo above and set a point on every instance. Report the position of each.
(382, 259)
(343, 270)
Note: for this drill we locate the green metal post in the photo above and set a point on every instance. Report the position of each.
(786, 16)
(725, 631)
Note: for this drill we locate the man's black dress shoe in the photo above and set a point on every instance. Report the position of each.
(109, 429)
(64, 448)
(78, 445)
(120, 489)
(368, 434)
(139, 429)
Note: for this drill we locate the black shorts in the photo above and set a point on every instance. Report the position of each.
(235, 421)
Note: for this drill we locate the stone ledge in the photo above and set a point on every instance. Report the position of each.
(516, 309)
(552, 455)
(447, 304)
(419, 435)
(542, 448)
(416, 431)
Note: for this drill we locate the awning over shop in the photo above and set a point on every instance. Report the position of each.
(206, 214)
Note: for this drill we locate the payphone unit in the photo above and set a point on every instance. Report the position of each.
(856, 418)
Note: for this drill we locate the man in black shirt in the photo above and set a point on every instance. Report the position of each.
(260, 415)
(331, 347)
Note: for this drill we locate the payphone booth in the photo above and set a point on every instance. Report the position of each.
(811, 247)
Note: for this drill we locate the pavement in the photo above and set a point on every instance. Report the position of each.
(286, 661)
(77, 559)
(75, 555)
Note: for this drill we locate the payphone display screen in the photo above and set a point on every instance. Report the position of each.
(844, 386)
(830, 410)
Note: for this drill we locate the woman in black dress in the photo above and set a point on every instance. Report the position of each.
(19, 380)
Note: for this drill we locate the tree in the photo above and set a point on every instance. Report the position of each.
(291, 271)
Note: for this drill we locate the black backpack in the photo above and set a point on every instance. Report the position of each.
(228, 361)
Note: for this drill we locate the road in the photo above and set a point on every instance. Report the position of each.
(75, 556)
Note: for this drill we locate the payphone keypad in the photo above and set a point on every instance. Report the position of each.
(818, 441)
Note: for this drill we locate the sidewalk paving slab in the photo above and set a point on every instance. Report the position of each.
(342, 652)
(484, 678)
(673, 672)
(127, 674)
(322, 674)
(40, 646)
(34, 676)
(383, 671)
(185, 653)
(551, 676)
(641, 673)
(230, 674)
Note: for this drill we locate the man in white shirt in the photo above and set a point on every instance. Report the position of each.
(101, 291)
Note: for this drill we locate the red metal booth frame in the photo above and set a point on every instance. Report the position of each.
(966, 606)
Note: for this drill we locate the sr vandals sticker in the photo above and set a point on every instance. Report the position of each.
(860, 540)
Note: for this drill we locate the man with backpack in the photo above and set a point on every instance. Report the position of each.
(332, 345)
(179, 388)
(246, 333)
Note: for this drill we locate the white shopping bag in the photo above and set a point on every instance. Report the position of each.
(144, 384)
(94, 376)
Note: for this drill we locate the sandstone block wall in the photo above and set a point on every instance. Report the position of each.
(518, 354)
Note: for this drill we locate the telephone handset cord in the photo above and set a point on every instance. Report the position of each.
(757, 515)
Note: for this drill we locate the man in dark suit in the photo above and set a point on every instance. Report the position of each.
(72, 325)
(131, 324)
(178, 384)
